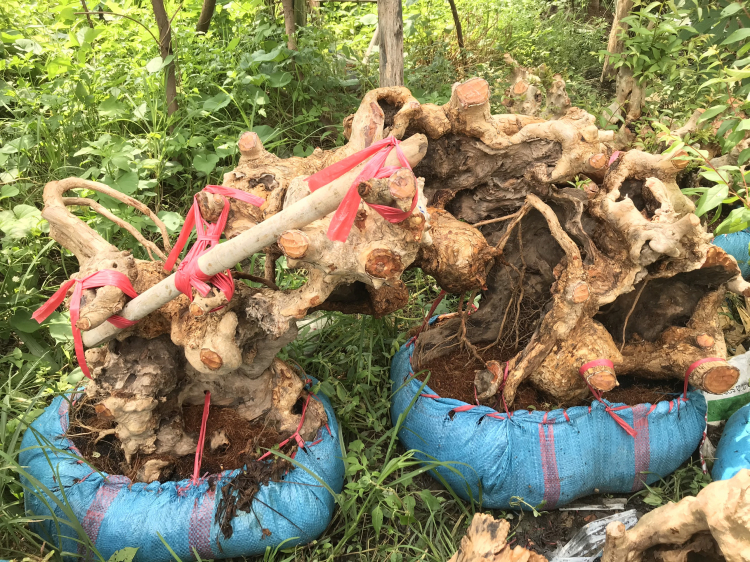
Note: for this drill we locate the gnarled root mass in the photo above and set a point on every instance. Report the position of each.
(619, 268)
(485, 541)
(715, 523)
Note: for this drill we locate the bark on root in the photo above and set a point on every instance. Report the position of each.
(716, 521)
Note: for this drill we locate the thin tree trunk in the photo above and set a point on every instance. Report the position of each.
(374, 43)
(459, 32)
(165, 46)
(88, 16)
(615, 44)
(300, 13)
(207, 12)
(288, 6)
(391, 25)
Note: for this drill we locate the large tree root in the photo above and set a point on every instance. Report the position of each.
(558, 267)
(717, 519)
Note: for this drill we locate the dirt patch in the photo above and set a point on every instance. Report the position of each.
(88, 433)
(239, 493)
(245, 442)
(452, 376)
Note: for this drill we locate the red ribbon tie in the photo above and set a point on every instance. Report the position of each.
(103, 278)
(343, 219)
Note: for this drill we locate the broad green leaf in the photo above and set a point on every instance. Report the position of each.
(279, 79)
(20, 222)
(8, 190)
(59, 327)
(217, 102)
(111, 108)
(377, 520)
(58, 65)
(711, 199)
(737, 220)
(233, 43)
(712, 112)
(739, 74)
(92, 33)
(262, 56)
(154, 65)
(266, 133)
(28, 46)
(127, 183)
(432, 502)
(743, 157)
(121, 161)
(732, 9)
(173, 221)
(205, 163)
(369, 19)
(126, 554)
(22, 321)
(738, 35)
(713, 176)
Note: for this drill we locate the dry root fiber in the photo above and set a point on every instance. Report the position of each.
(620, 269)
(485, 541)
(714, 523)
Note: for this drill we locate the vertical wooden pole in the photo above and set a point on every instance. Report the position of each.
(289, 25)
(391, 25)
(615, 44)
(165, 46)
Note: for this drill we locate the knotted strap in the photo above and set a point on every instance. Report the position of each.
(189, 274)
(201, 439)
(598, 395)
(343, 218)
(103, 278)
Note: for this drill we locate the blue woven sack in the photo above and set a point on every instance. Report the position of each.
(543, 458)
(733, 451)
(736, 245)
(116, 513)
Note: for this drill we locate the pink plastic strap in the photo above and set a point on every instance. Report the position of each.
(595, 363)
(343, 219)
(189, 274)
(693, 367)
(609, 409)
(296, 436)
(103, 278)
(464, 408)
(201, 439)
(614, 156)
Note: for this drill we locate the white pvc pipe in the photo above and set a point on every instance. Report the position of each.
(228, 254)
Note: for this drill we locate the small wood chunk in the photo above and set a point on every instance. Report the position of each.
(473, 92)
(680, 164)
(580, 293)
(598, 161)
(211, 359)
(403, 184)
(250, 145)
(102, 411)
(383, 264)
(705, 341)
(719, 377)
(520, 87)
(294, 244)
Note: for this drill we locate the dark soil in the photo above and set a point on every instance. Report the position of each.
(247, 442)
(239, 493)
(452, 376)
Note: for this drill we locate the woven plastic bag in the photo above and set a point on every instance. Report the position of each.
(733, 451)
(546, 459)
(116, 513)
